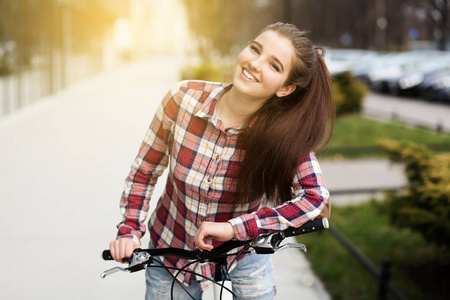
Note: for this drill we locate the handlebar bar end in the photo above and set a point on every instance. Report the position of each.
(106, 255)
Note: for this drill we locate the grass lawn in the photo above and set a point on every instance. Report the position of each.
(418, 270)
(358, 136)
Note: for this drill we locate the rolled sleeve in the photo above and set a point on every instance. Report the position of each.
(245, 227)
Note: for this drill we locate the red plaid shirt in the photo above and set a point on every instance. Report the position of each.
(203, 159)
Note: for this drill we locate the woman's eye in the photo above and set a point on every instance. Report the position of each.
(254, 49)
(275, 67)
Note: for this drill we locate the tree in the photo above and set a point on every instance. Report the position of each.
(223, 27)
(37, 25)
(438, 11)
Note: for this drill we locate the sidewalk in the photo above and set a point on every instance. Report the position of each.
(64, 161)
(361, 174)
(413, 111)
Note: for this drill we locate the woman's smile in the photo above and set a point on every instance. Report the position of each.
(248, 75)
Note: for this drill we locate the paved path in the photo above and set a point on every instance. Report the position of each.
(63, 163)
(360, 174)
(412, 111)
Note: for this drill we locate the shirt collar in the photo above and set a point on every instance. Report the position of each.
(209, 106)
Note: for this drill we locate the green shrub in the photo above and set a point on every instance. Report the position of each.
(348, 92)
(425, 205)
(339, 98)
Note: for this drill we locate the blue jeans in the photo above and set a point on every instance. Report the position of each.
(252, 278)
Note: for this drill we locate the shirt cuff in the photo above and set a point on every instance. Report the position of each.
(131, 237)
(126, 233)
(245, 227)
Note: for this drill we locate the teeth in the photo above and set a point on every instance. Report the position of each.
(248, 75)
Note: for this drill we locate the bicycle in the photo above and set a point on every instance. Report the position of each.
(267, 244)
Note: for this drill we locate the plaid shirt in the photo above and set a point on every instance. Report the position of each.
(203, 159)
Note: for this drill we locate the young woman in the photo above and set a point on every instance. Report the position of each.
(241, 162)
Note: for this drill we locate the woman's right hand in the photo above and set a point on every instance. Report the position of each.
(121, 248)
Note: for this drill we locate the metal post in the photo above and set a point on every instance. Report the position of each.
(383, 279)
(51, 45)
(5, 80)
(20, 53)
(439, 126)
(395, 116)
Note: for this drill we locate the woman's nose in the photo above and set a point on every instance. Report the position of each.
(254, 65)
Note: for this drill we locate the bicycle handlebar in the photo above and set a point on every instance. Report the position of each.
(265, 244)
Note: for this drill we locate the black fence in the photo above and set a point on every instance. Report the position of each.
(382, 275)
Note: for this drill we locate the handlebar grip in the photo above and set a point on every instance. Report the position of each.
(310, 226)
(107, 255)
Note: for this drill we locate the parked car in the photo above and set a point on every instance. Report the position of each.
(436, 87)
(364, 67)
(341, 60)
(414, 73)
(396, 65)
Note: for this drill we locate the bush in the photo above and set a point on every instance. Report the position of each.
(425, 205)
(348, 93)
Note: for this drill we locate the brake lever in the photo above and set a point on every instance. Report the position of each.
(271, 243)
(139, 261)
(263, 245)
(291, 245)
(112, 271)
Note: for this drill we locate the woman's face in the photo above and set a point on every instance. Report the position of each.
(262, 68)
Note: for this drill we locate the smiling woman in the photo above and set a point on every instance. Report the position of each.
(265, 62)
(260, 72)
(294, 120)
(230, 148)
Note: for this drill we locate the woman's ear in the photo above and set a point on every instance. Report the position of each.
(286, 90)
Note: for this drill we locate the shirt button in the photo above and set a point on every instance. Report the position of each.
(208, 179)
(216, 156)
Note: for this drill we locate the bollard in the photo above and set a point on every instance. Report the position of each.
(383, 279)
(439, 127)
(394, 116)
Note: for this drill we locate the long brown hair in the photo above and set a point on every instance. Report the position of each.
(287, 129)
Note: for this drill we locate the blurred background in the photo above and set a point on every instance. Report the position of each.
(81, 79)
(46, 45)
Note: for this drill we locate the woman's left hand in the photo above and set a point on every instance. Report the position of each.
(212, 231)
